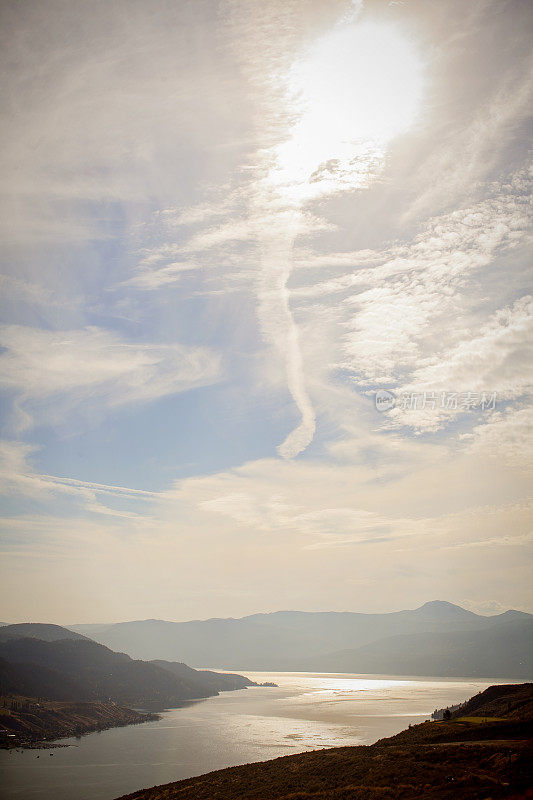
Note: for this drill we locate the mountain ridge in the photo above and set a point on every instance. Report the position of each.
(291, 640)
(428, 604)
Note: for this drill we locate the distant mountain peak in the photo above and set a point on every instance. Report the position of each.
(512, 612)
(442, 603)
(444, 608)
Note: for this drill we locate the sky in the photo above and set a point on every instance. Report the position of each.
(266, 310)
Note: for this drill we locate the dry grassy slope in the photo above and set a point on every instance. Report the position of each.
(470, 772)
(432, 761)
(513, 701)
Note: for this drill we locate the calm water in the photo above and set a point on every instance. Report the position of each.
(306, 712)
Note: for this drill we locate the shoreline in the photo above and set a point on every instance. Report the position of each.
(36, 724)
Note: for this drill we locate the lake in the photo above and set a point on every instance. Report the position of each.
(306, 711)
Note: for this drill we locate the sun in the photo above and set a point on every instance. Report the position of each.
(357, 87)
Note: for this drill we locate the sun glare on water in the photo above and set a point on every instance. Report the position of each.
(358, 87)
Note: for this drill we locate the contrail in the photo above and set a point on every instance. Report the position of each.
(267, 38)
(277, 321)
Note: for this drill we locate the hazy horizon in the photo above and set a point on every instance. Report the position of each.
(266, 309)
(72, 623)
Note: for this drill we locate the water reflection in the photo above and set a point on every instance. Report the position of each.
(305, 712)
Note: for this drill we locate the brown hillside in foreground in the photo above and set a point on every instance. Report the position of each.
(514, 701)
(453, 760)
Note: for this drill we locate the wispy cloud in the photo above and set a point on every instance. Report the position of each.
(151, 277)
(19, 478)
(96, 366)
(505, 438)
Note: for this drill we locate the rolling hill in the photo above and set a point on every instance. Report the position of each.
(82, 670)
(510, 701)
(38, 630)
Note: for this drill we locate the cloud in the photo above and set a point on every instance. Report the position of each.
(136, 104)
(152, 278)
(97, 367)
(413, 293)
(485, 607)
(488, 367)
(505, 438)
(278, 326)
(461, 162)
(191, 215)
(19, 478)
(287, 520)
(15, 473)
(326, 149)
(143, 189)
(225, 233)
(495, 359)
(410, 317)
(496, 541)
